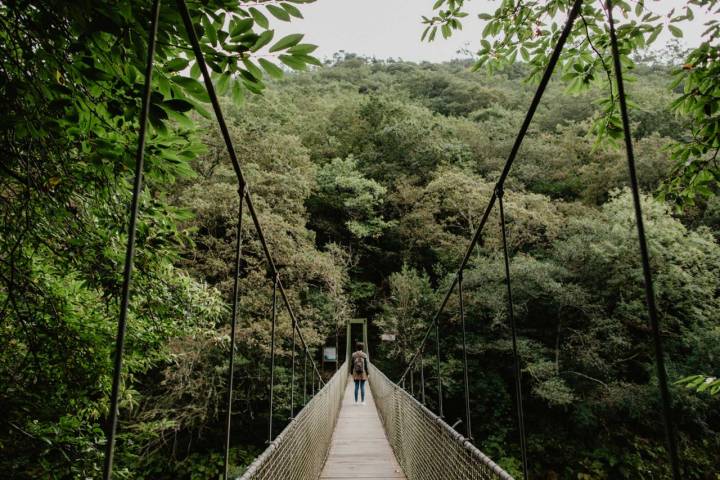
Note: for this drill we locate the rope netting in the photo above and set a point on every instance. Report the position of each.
(299, 452)
(426, 447)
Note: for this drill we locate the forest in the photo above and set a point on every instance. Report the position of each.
(370, 177)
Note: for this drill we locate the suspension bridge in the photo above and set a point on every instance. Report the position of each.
(394, 436)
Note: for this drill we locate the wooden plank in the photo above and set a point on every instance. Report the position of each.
(360, 448)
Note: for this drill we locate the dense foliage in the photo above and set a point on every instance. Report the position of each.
(369, 178)
(528, 30)
(591, 401)
(70, 82)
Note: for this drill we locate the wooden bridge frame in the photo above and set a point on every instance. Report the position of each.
(348, 338)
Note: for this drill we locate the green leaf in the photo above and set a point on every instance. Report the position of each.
(156, 116)
(639, 7)
(180, 118)
(210, 30)
(250, 84)
(222, 83)
(252, 68)
(264, 38)
(278, 13)
(272, 69)
(195, 70)
(191, 86)
(292, 10)
(259, 17)
(238, 93)
(653, 36)
(287, 42)
(176, 64)
(676, 32)
(163, 84)
(308, 59)
(445, 29)
(303, 49)
(178, 105)
(292, 62)
(240, 26)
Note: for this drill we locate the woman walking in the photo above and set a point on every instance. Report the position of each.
(359, 370)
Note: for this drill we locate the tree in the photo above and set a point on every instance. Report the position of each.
(529, 30)
(70, 82)
(406, 313)
(346, 197)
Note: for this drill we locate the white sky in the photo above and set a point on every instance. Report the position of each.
(392, 28)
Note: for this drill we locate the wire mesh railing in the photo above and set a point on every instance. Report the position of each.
(426, 447)
(300, 450)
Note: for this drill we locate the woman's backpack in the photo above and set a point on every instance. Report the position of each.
(358, 363)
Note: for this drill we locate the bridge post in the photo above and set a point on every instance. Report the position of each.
(348, 341)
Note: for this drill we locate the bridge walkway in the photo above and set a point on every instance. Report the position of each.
(359, 448)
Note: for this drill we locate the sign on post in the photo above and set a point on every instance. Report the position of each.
(329, 354)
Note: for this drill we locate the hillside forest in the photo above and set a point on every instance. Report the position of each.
(369, 177)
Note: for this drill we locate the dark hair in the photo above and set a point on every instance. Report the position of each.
(359, 346)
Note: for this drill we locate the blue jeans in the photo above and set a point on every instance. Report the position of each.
(361, 385)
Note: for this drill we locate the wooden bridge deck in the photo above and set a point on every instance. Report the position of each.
(359, 447)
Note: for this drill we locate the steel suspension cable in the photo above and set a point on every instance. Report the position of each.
(200, 57)
(644, 256)
(130, 247)
(468, 425)
(547, 75)
(272, 358)
(513, 332)
(292, 378)
(304, 378)
(233, 327)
